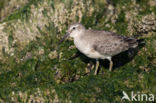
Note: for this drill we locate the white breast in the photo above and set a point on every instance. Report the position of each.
(86, 48)
(82, 45)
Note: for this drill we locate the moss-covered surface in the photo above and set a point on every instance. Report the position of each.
(30, 70)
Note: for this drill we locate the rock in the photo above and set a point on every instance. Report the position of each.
(147, 24)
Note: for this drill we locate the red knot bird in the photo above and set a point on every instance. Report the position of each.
(99, 44)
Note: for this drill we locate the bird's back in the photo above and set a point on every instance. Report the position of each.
(109, 43)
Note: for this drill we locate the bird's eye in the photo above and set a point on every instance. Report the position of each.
(73, 28)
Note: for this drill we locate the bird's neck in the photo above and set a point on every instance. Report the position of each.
(78, 35)
(80, 41)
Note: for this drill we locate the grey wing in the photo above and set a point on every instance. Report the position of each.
(111, 45)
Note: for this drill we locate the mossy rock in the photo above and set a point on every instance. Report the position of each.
(34, 68)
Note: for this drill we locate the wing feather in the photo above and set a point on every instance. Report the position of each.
(110, 44)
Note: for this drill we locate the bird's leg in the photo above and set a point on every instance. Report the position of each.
(110, 64)
(97, 66)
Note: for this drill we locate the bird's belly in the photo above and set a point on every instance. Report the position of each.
(87, 50)
(94, 55)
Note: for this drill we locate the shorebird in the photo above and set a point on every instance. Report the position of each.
(99, 44)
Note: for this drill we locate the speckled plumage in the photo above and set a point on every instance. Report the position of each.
(99, 44)
(108, 43)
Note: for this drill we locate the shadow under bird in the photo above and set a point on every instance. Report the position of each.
(99, 44)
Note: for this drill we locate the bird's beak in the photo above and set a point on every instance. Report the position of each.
(65, 36)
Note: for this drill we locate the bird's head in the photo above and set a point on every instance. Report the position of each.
(73, 31)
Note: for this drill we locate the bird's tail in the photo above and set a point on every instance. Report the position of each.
(140, 39)
(133, 42)
(141, 42)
